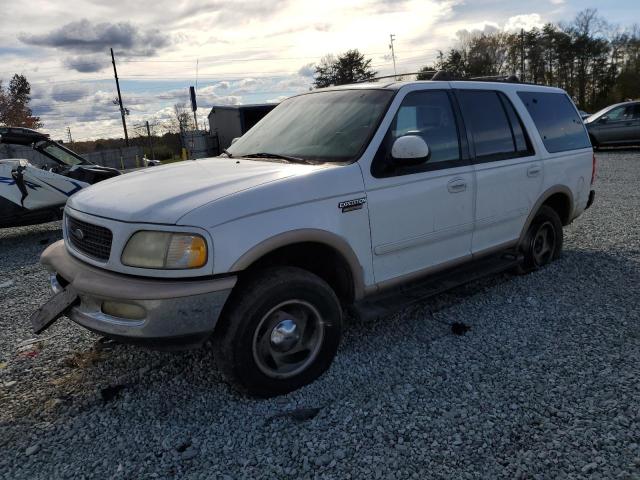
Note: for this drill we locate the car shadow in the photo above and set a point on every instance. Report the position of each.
(427, 318)
(632, 149)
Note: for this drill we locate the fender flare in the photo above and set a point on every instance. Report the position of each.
(543, 198)
(293, 237)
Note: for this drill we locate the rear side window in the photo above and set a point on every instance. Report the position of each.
(497, 131)
(557, 120)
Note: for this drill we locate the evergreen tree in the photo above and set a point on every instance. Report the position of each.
(347, 68)
(14, 104)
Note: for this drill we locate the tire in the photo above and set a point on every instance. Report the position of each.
(543, 241)
(280, 331)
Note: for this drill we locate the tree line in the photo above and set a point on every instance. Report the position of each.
(596, 63)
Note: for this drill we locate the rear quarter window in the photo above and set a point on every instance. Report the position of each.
(557, 121)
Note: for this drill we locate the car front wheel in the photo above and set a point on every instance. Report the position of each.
(280, 331)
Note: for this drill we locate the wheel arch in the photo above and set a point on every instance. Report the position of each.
(324, 253)
(558, 197)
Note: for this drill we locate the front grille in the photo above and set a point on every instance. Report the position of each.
(92, 240)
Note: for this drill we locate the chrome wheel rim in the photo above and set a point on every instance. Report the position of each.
(543, 244)
(288, 339)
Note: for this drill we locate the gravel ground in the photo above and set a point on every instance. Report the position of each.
(545, 384)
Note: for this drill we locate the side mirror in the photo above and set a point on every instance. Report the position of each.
(234, 140)
(603, 119)
(409, 150)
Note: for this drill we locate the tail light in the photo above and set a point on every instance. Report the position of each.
(593, 169)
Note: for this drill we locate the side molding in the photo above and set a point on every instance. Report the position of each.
(306, 235)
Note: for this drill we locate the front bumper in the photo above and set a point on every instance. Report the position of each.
(166, 312)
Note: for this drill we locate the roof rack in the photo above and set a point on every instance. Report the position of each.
(497, 78)
(446, 76)
(394, 77)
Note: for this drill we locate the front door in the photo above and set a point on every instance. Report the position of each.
(421, 215)
(619, 125)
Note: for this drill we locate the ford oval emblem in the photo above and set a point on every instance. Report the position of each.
(79, 234)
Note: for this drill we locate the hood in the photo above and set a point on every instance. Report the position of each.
(166, 193)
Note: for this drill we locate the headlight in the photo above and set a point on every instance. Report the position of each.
(147, 249)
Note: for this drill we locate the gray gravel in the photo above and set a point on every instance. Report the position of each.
(545, 384)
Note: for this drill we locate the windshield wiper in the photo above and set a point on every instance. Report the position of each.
(286, 158)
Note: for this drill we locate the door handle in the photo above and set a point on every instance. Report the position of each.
(457, 185)
(533, 171)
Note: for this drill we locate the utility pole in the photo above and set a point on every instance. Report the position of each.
(393, 54)
(69, 139)
(522, 75)
(194, 105)
(150, 141)
(122, 110)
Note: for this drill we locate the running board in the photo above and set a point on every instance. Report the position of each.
(390, 301)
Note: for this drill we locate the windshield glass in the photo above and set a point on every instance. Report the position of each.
(331, 126)
(60, 154)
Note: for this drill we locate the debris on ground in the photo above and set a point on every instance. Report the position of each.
(459, 328)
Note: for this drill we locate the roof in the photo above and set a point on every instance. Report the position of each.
(480, 84)
(21, 136)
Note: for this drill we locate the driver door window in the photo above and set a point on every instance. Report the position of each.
(427, 114)
(620, 114)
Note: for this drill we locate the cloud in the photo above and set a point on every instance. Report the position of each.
(69, 93)
(529, 21)
(277, 100)
(86, 63)
(307, 70)
(84, 36)
(87, 39)
(247, 82)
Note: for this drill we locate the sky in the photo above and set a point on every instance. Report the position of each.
(235, 52)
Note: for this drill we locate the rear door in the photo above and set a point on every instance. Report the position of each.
(618, 125)
(422, 215)
(508, 173)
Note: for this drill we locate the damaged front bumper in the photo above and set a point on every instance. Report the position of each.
(155, 312)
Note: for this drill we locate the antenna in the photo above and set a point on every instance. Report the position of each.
(392, 37)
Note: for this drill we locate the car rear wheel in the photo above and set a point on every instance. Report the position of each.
(280, 331)
(543, 241)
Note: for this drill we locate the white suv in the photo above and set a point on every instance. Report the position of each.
(338, 197)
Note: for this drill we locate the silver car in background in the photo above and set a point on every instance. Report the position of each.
(615, 125)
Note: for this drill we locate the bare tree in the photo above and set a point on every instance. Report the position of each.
(183, 119)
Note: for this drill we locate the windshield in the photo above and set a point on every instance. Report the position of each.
(60, 154)
(330, 126)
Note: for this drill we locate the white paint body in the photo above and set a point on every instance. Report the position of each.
(45, 188)
(409, 223)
